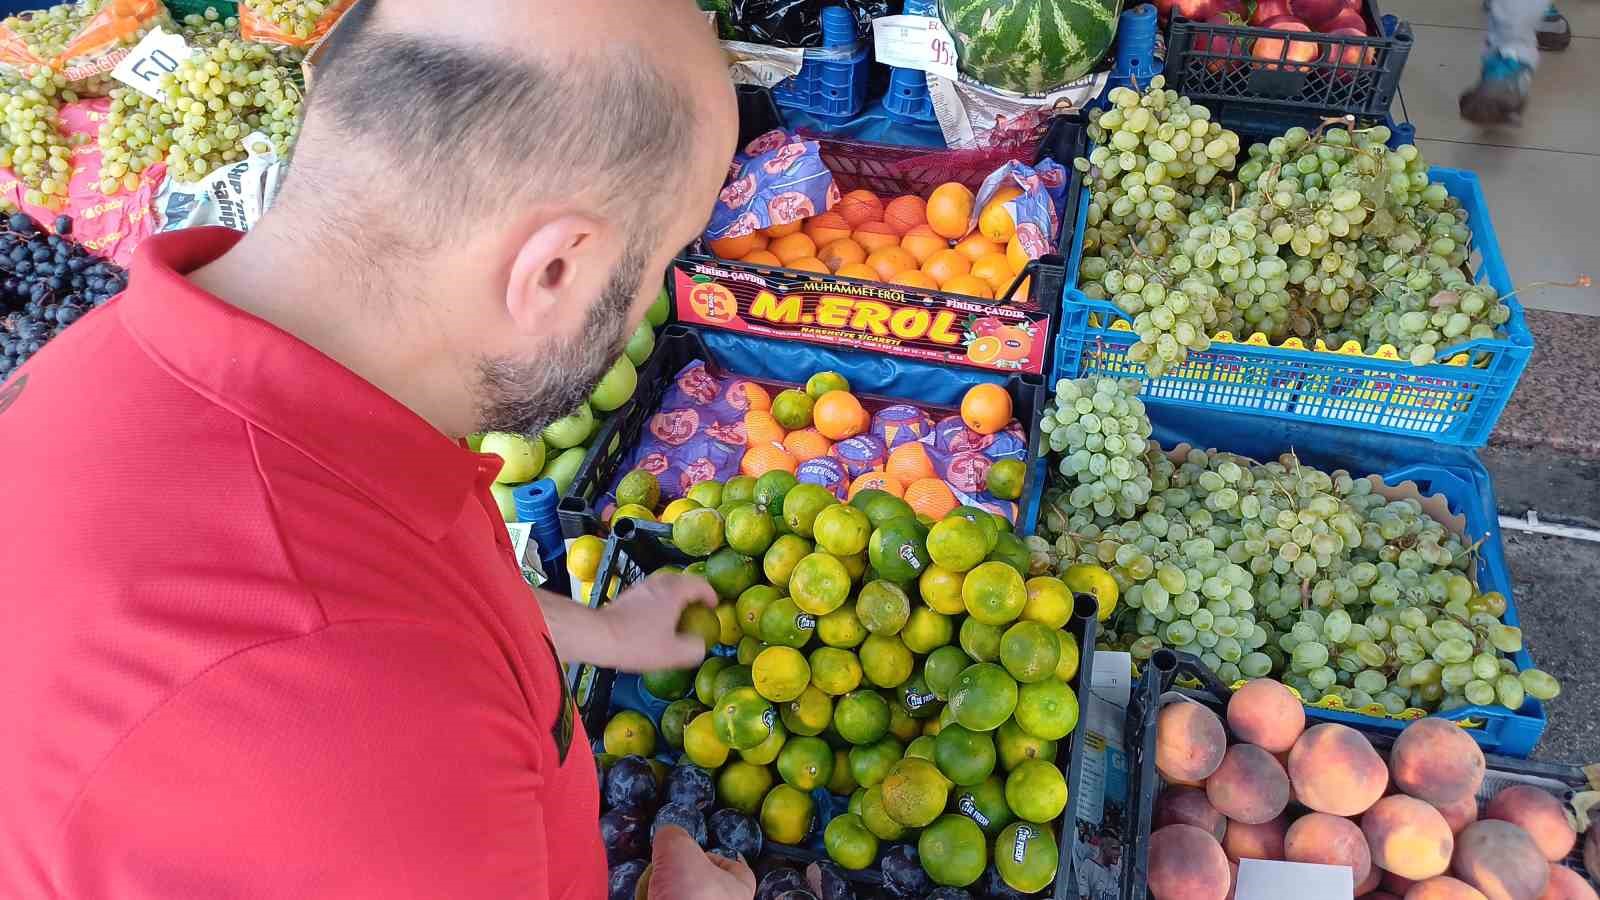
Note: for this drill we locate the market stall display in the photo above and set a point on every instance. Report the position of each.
(47, 282)
(837, 722)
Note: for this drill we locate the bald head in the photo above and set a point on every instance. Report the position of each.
(476, 113)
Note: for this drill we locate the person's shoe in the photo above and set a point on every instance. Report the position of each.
(1500, 95)
(1554, 33)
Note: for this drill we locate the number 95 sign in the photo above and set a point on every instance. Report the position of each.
(158, 55)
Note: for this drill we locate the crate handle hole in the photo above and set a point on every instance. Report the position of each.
(1164, 660)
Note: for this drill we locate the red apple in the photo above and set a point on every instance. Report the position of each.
(1316, 13)
(1273, 49)
(1346, 18)
(1269, 9)
(1350, 54)
(1198, 10)
(1227, 48)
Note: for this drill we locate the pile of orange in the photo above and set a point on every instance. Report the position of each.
(927, 243)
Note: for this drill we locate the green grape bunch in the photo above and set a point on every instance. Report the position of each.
(31, 140)
(1099, 431)
(297, 18)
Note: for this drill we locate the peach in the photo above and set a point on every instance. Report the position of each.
(1263, 841)
(1396, 884)
(1188, 806)
(1267, 714)
(1329, 841)
(1408, 837)
(1501, 860)
(1335, 770)
(1249, 786)
(1187, 863)
(1566, 884)
(1370, 883)
(1190, 742)
(1435, 760)
(1459, 813)
(1540, 814)
(1443, 888)
(1378, 895)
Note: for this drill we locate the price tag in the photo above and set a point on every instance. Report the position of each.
(155, 56)
(1261, 879)
(915, 42)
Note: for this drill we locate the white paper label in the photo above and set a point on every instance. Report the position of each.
(914, 42)
(1113, 676)
(155, 56)
(1261, 879)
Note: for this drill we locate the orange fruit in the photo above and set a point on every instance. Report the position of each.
(922, 243)
(995, 223)
(949, 208)
(975, 247)
(763, 458)
(806, 443)
(905, 213)
(986, 408)
(825, 228)
(755, 396)
(839, 415)
(984, 350)
(791, 247)
(761, 428)
(930, 497)
(946, 264)
(859, 206)
(876, 481)
(915, 278)
(734, 247)
(995, 270)
(1017, 256)
(875, 236)
(810, 264)
(908, 463)
(890, 261)
(968, 286)
(858, 270)
(842, 253)
(761, 258)
(784, 230)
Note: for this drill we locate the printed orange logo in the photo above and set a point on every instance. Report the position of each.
(713, 302)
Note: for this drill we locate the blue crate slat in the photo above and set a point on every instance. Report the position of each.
(1449, 403)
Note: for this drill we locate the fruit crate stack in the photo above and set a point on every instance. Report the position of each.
(1221, 776)
(849, 795)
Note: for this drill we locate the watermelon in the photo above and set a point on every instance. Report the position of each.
(1029, 46)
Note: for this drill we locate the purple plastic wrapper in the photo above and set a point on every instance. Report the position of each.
(962, 457)
(778, 179)
(826, 471)
(697, 435)
(860, 454)
(1037, 211)
(900, 424)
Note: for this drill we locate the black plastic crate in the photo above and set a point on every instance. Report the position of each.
(887, 170)
(635, 549)
(1356, 76)
(679, 345)
(1171, 671)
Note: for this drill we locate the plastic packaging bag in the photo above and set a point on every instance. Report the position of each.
(798, 23)
(1037, 210)
(778, 179)
(94, 46)
(234, 196)
(255, 25)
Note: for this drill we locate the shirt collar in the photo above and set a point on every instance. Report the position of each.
(292, 390)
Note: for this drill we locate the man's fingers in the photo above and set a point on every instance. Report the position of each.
(687, 589)
(688, 651)
(737, 868)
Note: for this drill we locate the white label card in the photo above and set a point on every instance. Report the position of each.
(1113, 676)
(915, 42)
(155, 56)
(1261, 879)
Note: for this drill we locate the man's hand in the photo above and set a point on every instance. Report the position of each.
(637, 632)
(643, 621)
(680, 869)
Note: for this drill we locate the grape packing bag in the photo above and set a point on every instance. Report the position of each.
(87, 55)
(276, 22)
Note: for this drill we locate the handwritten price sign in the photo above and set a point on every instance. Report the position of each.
(915, 42)
(157, 55)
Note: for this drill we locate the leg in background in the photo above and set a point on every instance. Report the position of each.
(1510, 53)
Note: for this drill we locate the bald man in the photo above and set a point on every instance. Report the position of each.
(263, 634)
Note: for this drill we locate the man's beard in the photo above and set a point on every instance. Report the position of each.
(522, 395)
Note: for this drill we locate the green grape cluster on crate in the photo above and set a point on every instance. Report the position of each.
(1273, 569)
(1328, 235)
(295, 17)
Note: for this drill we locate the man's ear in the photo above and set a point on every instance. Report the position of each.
(561, 264)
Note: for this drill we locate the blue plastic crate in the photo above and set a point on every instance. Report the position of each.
(1450, 403)
(827, 86)
(1452, 472)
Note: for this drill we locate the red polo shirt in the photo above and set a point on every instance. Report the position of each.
(261, 632)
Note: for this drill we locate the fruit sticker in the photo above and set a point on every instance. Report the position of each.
(712, 302)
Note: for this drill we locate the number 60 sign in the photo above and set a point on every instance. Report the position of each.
(157, 55)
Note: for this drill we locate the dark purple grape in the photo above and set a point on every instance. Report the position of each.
(780, 881)
(902, 873)
(948, 893)
(684, 816)
(631, 784)
(691, 786)
(624, 879)
(830, 881)
(796, 895)
(993, 887)
(625, 834)
(63, 224)
(733, 830)
(724, 852)
(20, 223)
